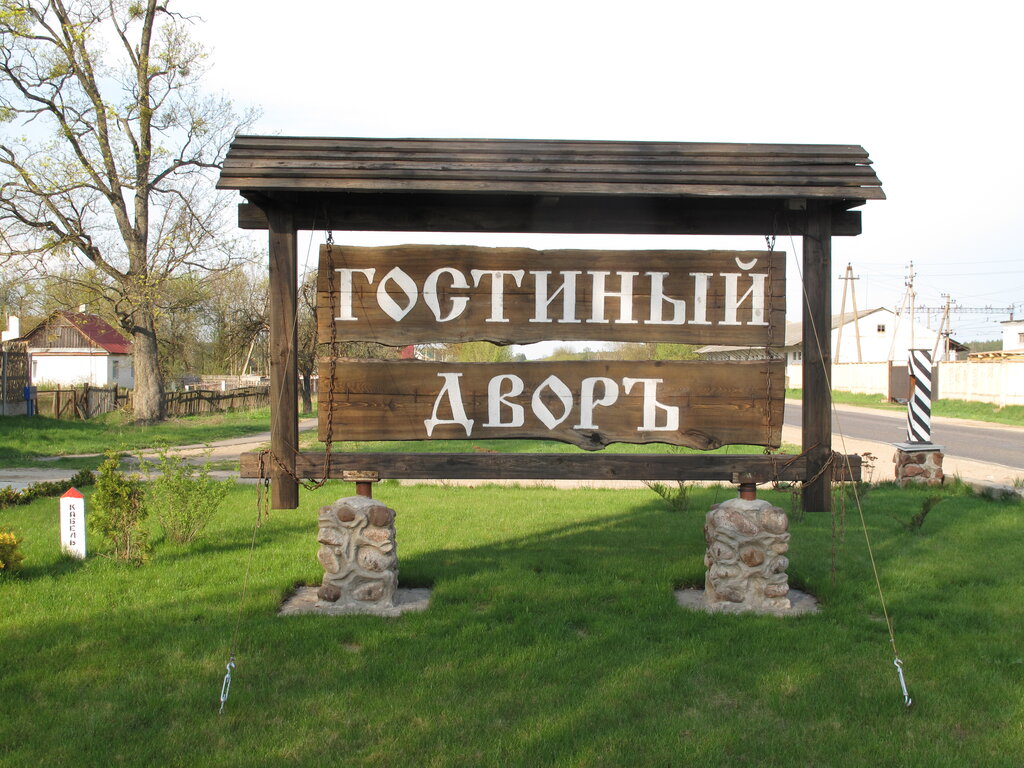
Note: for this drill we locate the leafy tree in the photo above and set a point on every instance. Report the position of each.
(481, 352)
(652, 351)
(115, 169)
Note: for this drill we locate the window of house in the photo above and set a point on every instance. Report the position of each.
(881, 327)
(115, 369)
(35, 370)
(1020, 338)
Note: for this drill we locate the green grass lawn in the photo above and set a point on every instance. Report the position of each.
(552, 639)
(24, 440)
(954, 409)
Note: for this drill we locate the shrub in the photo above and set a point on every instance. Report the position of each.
(9, 497)
(10, 552)
(183, 496)
(676, 497)
(118, 511)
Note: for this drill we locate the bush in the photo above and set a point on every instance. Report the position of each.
(118, 511)
(9, 497)
(10, 552)
(676, 497)
(183, 497)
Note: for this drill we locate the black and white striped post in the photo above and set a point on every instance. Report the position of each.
(918, 460)
(919, 404)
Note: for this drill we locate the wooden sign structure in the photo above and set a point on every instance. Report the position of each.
(411, 294)
(587, 403)
(483, 185)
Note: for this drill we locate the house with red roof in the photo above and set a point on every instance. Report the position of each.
(71, 348)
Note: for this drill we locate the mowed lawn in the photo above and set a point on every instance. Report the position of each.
(552, 638)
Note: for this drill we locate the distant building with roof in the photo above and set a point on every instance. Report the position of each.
(72, 348)
(868, 336)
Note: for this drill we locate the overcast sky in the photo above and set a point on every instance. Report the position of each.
(930, 90)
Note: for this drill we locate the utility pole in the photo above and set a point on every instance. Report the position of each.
(846, 278)
(908, 298)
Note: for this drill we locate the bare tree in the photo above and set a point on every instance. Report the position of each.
(116, 166)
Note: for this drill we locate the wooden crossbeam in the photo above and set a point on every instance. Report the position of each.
(560, 466)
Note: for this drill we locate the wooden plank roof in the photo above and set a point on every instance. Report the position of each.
(265, 164)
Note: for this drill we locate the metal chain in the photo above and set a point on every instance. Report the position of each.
(770, 243)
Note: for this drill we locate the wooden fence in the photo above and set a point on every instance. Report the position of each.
(198, 401)
(86, 401)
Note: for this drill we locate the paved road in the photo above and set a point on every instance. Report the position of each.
(993, 444)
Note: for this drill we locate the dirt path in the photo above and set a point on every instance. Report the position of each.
(883, 468)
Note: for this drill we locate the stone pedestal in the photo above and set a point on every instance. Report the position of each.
(357, 551)
(919, 463)
(746, 562)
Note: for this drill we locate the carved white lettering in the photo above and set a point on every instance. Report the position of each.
(659, 300)
(624, 295)
(497, 289)
(543, 300)
(559, 390)
(588, 402)
(345, 290)
(652, 406)
(700, 298)
(452, 392)
(495, 399)
(431, 299)
(755, 292)
(391, 308)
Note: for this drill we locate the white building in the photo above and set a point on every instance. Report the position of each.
(72, 348)
(869, 336)
(1013, 335)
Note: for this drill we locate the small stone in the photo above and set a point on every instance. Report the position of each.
(346, 514)
(329, 593)
(369, 592)
(776, 590)
(381, 516)
(383, 538)
(774, 520)
(919, 457)
(328, 559)
(780, 547)
(912, 470)
(332, 536)
(752, 556)
(740, 522)
(374, 560)
(731, 594)
(779, 565)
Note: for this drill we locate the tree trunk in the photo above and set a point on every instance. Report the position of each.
(147, 401)
(307, 397)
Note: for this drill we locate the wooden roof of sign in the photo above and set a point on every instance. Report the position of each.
(481, 166)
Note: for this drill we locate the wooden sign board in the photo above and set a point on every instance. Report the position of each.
(588, 403)
(411, 294)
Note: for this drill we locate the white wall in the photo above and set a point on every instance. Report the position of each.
(999, 382)
(125, 373)
(72, 370)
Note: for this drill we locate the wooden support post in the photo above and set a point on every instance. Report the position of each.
(284, 375)
(817, 342)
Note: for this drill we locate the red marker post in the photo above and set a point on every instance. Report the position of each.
(72, 523)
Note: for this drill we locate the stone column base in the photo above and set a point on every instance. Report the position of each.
(919, 463)
(357, 551)
(746, 561)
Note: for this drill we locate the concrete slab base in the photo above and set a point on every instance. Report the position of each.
(800, 603)
(305, 600)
